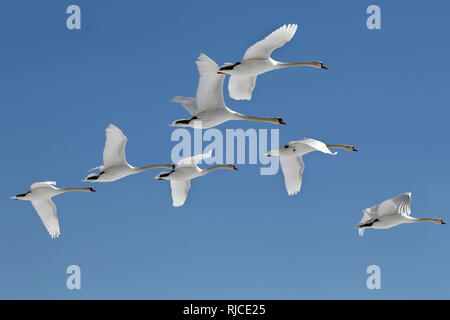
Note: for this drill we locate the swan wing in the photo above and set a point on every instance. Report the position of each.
(264, 48)
(180, 190)
(292, 167)
(192, 161)
(369, 214)
(114, 152)
(308, 145)
(210, 85)
(46, 210)
(400, 204)
(43, 184)
(241, 87)
(190, 104)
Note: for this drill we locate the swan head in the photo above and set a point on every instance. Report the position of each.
(279, 121)
(442, 221)
(319, 65)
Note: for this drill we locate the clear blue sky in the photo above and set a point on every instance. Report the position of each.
(239, 235)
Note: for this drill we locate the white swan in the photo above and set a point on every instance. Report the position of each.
(208, 108)
(115, 165)
(257, 60)
(185, 170)
(291, 160)
(40, 195)
(391, 213)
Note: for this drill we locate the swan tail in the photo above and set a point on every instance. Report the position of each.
(96, 168)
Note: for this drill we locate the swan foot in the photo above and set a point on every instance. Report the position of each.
(185, 121)
(369, 224)
(229, 67)
(95, 177)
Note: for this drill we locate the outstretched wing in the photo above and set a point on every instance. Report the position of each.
(46, 210)
(180, 190)
(210, 85)
(264, 48)
(400, 204)
(308, 145)
(190, 104)
(43, 184)
(114, 152)
(241, 87)
(292, 167)
(192, 161)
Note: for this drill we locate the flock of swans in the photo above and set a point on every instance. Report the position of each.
(207, 110)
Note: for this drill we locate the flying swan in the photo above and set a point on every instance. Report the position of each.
(292, 163)
(208, 108)
(257, 60)
(40, 195)
(391, 213)
(115, 165)
(185, 170)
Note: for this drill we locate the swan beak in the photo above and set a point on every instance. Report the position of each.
(92, 190)
(354, 149)
(234, 168)
(323, 67)
(282, 122)
(443, 222)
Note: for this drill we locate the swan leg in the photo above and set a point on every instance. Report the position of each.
(164, 175)
(368, 224)
(95, 177)
(229, 67)
(185, 121)
(22, 195)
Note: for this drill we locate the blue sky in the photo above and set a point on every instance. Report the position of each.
(239, 235)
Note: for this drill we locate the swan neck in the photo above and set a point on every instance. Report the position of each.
(296, 64)
(222, 166)
(87, 189)
(340, 146)
(153, 166)
(239, 116)
(435, 220)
